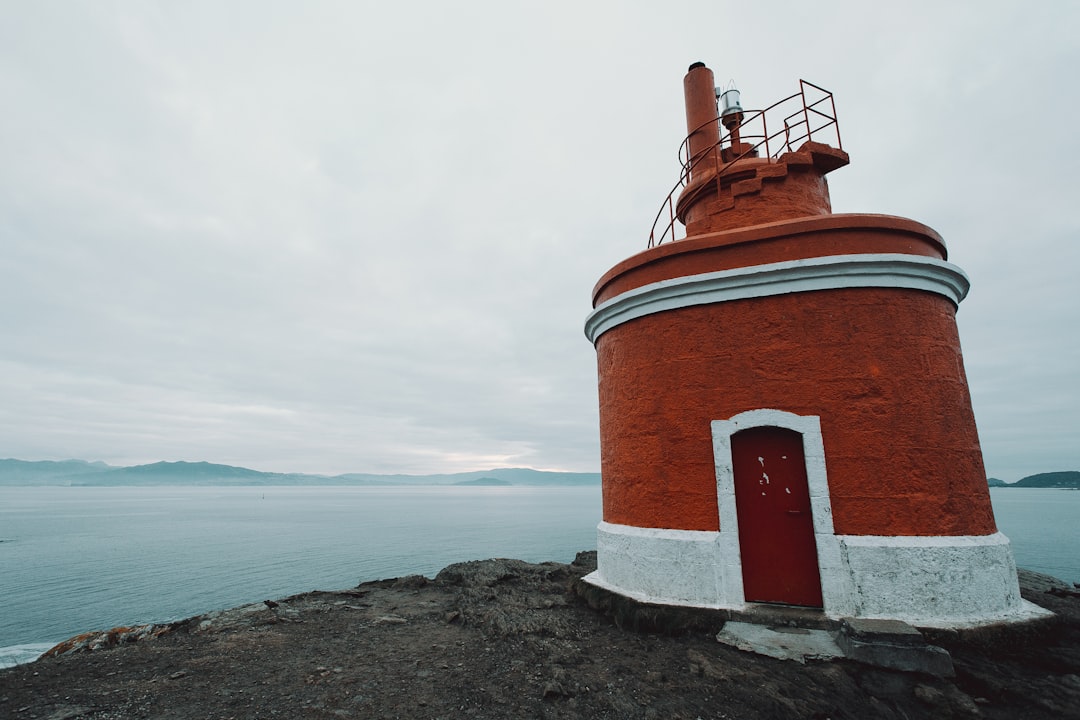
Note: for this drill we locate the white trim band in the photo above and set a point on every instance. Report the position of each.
(881, 270)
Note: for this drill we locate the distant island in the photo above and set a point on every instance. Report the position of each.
(80, 473)
(1065, 479)
(484, 481)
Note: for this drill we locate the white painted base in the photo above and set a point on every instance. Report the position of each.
(669, 567)
(947, 581)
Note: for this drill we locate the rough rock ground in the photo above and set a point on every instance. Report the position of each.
(507, 639)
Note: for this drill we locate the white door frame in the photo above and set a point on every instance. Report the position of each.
(835, 593)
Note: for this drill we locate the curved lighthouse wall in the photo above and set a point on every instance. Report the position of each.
(859, 352)
(881, 367)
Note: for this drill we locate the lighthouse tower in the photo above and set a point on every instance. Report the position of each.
(784, 415)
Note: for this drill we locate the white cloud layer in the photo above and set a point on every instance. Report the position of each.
(359, 236)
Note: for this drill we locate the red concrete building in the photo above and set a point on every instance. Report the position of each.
(784, 415)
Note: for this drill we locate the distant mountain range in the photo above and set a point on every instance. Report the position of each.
(82, 473)
(1063, 479)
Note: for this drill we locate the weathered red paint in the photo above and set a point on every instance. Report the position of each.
(756, 190)
(776, 529)
(880, 367)
(702, 130)
(768, 243)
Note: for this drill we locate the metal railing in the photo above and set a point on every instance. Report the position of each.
(807, 118)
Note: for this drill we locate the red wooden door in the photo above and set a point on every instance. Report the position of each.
(776, 530)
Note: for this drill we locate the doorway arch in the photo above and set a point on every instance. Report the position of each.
(835, 591)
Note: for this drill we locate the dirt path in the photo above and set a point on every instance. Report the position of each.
(507, 639)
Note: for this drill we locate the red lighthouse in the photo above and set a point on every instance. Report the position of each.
(784, 415)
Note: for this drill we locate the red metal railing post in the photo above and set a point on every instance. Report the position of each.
(806, 114)
(765, 132)
(671, 217)
(835, 122)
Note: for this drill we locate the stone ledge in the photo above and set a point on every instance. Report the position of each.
(892, 644)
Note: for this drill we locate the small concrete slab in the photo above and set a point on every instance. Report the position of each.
(782, 643)
(882, 643)
(878, 630)
(892, 644)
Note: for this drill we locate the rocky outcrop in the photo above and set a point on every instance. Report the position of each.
(101, 639)
(504, 638)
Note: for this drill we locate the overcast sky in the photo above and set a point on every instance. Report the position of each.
(361, 236)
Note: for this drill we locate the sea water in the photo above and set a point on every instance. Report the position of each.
(1043, 526)
(78, 559)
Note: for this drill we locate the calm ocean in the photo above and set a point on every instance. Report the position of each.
(77, 559)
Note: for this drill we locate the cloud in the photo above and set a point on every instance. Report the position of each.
(357, 236)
